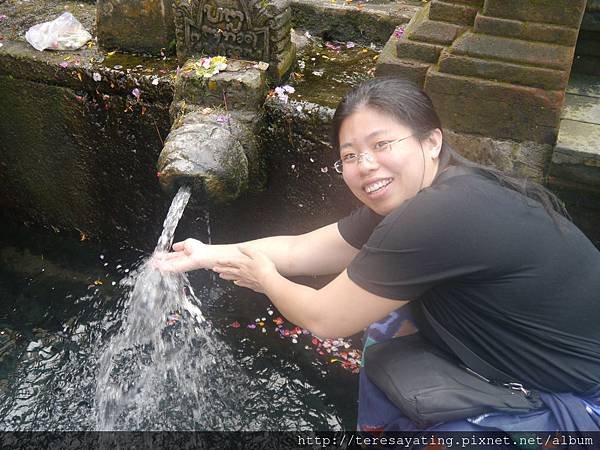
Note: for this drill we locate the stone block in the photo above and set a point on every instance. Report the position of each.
(441, 33)
(514, 50)
(502, 71)
(577, 154)
(457, 13)
(420, 51)
(241, 86)
(241, 29)
(414, 71)
(389, 65)
(495, 109)
(135, 26)
(582, 108)
(561, 12)
(524, 159)
(530, 31)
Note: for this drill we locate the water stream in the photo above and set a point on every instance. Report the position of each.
(164, 347)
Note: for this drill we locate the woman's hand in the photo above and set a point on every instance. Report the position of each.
(252, 269)
(190, 254)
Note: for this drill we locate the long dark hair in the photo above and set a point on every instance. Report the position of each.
(408, 104)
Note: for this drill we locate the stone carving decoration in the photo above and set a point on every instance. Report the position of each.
(255, 30)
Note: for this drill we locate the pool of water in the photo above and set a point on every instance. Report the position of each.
(62, 301)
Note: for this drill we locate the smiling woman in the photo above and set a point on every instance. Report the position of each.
(444, 255)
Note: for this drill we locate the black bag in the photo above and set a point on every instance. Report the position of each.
(430, 388)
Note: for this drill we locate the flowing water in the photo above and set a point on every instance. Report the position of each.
(149, 357)
(95, 338)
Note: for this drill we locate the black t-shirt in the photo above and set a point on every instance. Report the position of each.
(517, 288)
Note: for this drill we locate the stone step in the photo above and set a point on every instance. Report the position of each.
(513, 50)
(576, 157)
(410, 69)
(532, 31)
(460, 14)
(560, 12)
(497, 70)
(420, 51)
(435, 32)
(388, 64)
(582, 108)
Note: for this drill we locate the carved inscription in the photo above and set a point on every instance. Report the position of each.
(226, 30)
(256, 30)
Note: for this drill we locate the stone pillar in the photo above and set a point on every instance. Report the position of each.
(254, 30)
(144, 26)
(500, 86)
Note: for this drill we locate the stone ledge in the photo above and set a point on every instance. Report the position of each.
(561, 12)
(577, 154)
(582, 108)
(453, 13)
(344, 22)
(21, 61)
(502, 71)
(513, 50)
(526, 30)
(582, 84)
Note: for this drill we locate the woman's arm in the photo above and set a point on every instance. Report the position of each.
(320, 252)
(341, 308)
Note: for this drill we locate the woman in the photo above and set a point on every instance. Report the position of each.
(493, 260)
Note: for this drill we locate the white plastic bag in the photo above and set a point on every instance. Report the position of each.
(63, 33)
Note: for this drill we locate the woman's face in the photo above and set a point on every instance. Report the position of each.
(384, 179)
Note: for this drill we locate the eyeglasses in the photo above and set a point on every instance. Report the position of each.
(353, 159)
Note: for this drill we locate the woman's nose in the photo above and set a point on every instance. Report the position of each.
(366, 162)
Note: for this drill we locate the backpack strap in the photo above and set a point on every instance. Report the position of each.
(470, 359)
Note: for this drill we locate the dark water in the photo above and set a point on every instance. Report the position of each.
(61, 302)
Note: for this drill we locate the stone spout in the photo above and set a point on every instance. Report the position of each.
(216, 151)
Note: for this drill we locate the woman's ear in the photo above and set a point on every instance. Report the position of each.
(434, 143)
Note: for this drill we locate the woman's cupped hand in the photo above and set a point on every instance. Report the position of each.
(251, 269)
(187, 255)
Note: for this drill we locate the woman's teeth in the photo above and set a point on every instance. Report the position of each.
(377, 185)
